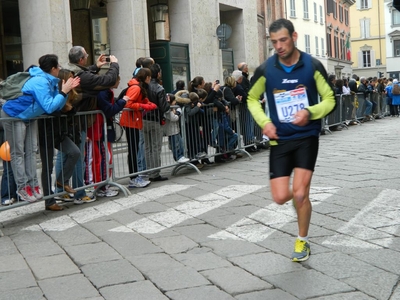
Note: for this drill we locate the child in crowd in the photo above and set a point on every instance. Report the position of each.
(172, 130)
(105, 102)
(194, 116)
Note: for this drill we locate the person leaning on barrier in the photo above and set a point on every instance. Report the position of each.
(53, 134)
(41, 95)
(152, 122)
(363, 88)
(91, 83)
(294, 138)
(132, 121)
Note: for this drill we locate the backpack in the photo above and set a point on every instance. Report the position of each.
(11, 87)
(396, 89)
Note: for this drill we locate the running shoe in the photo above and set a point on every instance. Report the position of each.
(65, 198)
(26, 194)
(37, 193)
(138, 182)
(301, 251)
(85, 199)
(107, 193)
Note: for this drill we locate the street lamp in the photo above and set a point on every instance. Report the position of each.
(159, 16)
(80, 4)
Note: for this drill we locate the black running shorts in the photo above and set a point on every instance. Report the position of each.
(290, 154)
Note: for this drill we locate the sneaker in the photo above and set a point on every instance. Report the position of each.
(138, 182)
(183, 160)
(301, 251)
(37, 193)
(107, 193)
(26, 194)
(7, 201)
(85, 199)
(65, 198)
(201, 155)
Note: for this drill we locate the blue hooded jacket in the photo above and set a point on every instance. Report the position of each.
(41, 96)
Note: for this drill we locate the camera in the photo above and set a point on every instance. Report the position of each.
(107, 59)
(217, 81)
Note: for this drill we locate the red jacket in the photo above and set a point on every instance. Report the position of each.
(138, 104)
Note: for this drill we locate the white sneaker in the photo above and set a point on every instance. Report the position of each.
(7, 201)
(26, 194)
(37, 193)
(85, 199)
(107, 193)
(183, 160)
(138, 182)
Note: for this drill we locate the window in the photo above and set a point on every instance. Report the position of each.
(334, 9)
(305, 8)
(292, 9)
(307, 43)
(366, 58)
(321, 16)
(340, 13)
(364, 27)
(329, 44)
(364, 4)
(322, 47)
(336, 45)
(395, 17)
(346, 17)
(316, 46)
(396, 50)
(315, 13)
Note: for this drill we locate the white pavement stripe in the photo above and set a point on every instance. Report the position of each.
(381, 212)
(105, 209)
(157, 222)
(264, 222)
(21, 211)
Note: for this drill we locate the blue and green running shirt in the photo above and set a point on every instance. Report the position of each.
(272, 79)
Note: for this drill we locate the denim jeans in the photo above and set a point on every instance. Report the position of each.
(176, 145)
(8, 185)
(141, 159)
(22, 138)
(77, 175)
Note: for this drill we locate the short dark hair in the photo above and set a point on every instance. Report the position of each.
(180, 85)
(147, 62)
(139, 62)
(155, 69)
(282, 23)
(47, 62)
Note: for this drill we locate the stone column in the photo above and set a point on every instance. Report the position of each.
(45, 29)
(129, 36)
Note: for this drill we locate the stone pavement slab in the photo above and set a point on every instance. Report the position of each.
(111, 273)
(52, 266)
(202, 261)
(133, 291)
(308, 284)
(72, 287)
(32, 293)
(92, 253)
(12, 262)
(199, 293)
(272, 294)
(15, 280)
(234, 280)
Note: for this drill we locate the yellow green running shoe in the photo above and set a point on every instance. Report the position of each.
(301, 251)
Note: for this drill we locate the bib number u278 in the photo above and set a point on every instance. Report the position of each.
(289, 103)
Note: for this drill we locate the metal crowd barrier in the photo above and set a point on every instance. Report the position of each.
(351, 108)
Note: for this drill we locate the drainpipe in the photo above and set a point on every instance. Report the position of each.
(379, 28)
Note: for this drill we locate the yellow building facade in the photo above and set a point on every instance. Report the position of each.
(368, 47)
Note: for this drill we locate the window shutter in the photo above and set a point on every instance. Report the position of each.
(362, 28)
(373, 61)
(360, 59)
(358, 4)
(369, 3)
(367, 24)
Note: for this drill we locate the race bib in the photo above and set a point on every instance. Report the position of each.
(290, 102)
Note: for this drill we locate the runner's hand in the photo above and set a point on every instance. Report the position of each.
(270, 131)
(301, 117)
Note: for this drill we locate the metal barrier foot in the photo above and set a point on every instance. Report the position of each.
(177, 168)
(243, 151)
(121, 187)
